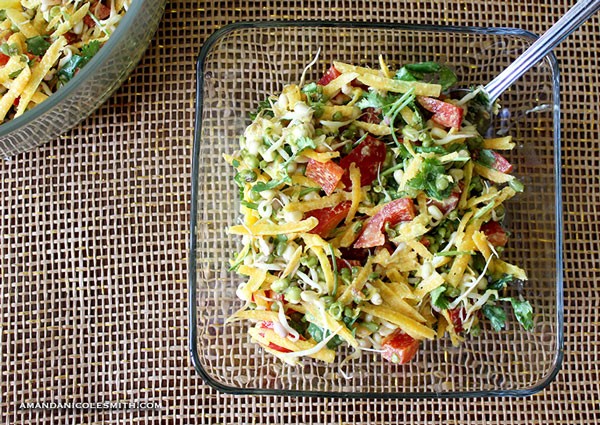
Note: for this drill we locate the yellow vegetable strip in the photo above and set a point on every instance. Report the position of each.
(398, 86)
(325, 266)
(429, 284)
(420, 249)
(15, 91)
(493, 175)
(408, 325)
(10, 4)
(458, 269)
(347, 112)
(39, 71)
(271, 336)
(325, 320)
(347, 68)
(393, 300)
(20, 20)
(264, 229)
(294, 261)
(14, 64)
(257, 277)
(304, 181)
(320, 156)
(384, 68)
(357, 284)
(499, 266)
(336, 85)
(73, 19)
(374, 129)
(356, 192)
(323, 202)
(499, 143)
(481, 243)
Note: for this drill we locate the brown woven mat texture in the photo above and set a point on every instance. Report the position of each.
(94, 239)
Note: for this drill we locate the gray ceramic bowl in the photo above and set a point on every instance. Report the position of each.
(90, 87)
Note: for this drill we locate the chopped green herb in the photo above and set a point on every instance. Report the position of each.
(496, 316)
(9, 49)
(523, 312)
(37, 45)
(439, 298)
(427, 177)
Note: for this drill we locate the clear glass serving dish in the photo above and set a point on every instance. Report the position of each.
(242, 63)
(90, 87)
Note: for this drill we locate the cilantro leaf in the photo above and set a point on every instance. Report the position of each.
(523, 312)
(69, 69)
(439, 298)
(426, 179)
(37, 45)
(372, 99)
(89, 50)
(496, 316)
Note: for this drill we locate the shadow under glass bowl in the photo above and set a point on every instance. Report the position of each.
(92, 85)
(242, 63)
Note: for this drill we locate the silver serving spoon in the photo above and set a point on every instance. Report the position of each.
(573, 19)
(570, 21)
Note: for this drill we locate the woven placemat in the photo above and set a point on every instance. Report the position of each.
(94, 236)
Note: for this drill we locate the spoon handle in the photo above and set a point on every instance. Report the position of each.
(572, 20)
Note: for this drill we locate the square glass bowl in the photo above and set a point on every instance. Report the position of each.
(242, 63)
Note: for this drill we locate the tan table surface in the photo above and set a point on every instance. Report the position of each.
(94, 236)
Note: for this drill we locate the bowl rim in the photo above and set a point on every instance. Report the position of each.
(135, 9)
(192, 283)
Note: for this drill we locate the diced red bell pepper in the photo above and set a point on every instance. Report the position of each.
(329, 218)
(495, 234)
(456, 315)
(17, 101)
(399, 347)
(393, 212)
(327, 174)
(444, 113)
(331, 74)
(425, 242)
(4, 59)
(500, 163)
(368, 157)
